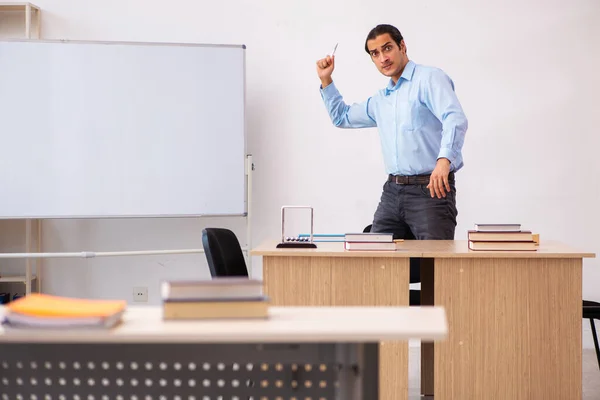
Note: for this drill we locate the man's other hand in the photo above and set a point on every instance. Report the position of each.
(438, 183)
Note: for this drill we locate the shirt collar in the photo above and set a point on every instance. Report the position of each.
(407, 74)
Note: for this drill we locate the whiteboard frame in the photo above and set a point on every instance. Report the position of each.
(247, 157)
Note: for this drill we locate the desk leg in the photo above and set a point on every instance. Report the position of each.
(514, 328)
(347, 281)
(427, 349)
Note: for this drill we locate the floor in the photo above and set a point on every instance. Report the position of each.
(591, 375)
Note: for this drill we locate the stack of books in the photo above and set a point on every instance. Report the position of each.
(502, 237)
(218, 298)
(370, 241)
(38, 311)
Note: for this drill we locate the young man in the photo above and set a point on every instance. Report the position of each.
(422, 128)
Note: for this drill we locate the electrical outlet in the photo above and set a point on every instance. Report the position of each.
(140, 294)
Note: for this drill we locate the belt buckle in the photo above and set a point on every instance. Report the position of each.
(397, 179)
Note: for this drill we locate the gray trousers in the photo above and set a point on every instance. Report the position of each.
(409, 212)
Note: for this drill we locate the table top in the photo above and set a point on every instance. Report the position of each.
(144, 324)
(460, 249)
(424, 248)
(331, 249)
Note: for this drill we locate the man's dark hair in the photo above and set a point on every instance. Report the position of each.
(382, 30)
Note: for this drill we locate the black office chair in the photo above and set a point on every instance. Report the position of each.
(223, 253)
(591, 311)
(414, 296)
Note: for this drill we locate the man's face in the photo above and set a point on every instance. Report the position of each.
(387, 56)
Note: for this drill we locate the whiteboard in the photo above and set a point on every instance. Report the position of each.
(113, 129)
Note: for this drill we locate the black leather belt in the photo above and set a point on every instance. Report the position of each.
(415, 179)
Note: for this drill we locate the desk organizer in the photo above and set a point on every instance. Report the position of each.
(287, 242)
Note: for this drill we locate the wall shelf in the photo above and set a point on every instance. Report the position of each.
(33, 16)
(16, 278)
(32, 269)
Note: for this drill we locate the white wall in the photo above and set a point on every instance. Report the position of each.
(525, 72)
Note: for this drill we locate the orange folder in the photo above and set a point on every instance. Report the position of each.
(43, 305)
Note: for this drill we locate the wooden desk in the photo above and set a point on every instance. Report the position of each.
(514, 317)
(299, 352)
(331, 276)
(514, 320)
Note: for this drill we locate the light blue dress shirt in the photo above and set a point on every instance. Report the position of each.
(419, 120)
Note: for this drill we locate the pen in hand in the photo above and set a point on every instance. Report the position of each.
(334, 49)
(325, 67)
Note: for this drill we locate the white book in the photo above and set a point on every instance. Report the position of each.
(498, 227)
(222, 287)
(503, 246)
(16, 320)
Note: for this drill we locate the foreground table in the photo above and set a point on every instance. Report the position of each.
(299, 352)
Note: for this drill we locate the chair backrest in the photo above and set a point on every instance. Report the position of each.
(223, 253)
(591, 309)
